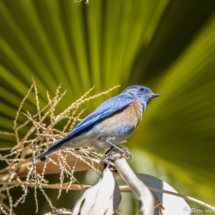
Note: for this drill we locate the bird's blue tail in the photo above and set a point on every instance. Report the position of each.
(43, 154)
(54, 147)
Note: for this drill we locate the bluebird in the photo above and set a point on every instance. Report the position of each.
(110, 124)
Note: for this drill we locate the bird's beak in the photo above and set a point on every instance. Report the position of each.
(155, 95)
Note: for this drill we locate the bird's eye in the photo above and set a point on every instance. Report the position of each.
(141, 89)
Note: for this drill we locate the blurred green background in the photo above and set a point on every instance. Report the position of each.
(167, 45)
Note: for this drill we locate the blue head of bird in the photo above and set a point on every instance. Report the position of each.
(141, 93)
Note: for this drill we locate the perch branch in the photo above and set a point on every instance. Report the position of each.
(146, 200)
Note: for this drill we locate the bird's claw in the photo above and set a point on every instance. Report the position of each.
(127, 153)
(111, 151)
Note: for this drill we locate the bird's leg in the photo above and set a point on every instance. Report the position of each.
(127, 151)
(108, 151)
(117, 147)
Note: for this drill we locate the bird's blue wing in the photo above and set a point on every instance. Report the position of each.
(105, 109)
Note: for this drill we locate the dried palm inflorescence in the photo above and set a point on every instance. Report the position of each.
(24, 170)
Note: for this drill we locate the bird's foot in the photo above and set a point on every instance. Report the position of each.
(115, 147)
(113, 154)
(127, 153)
(112, 150)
